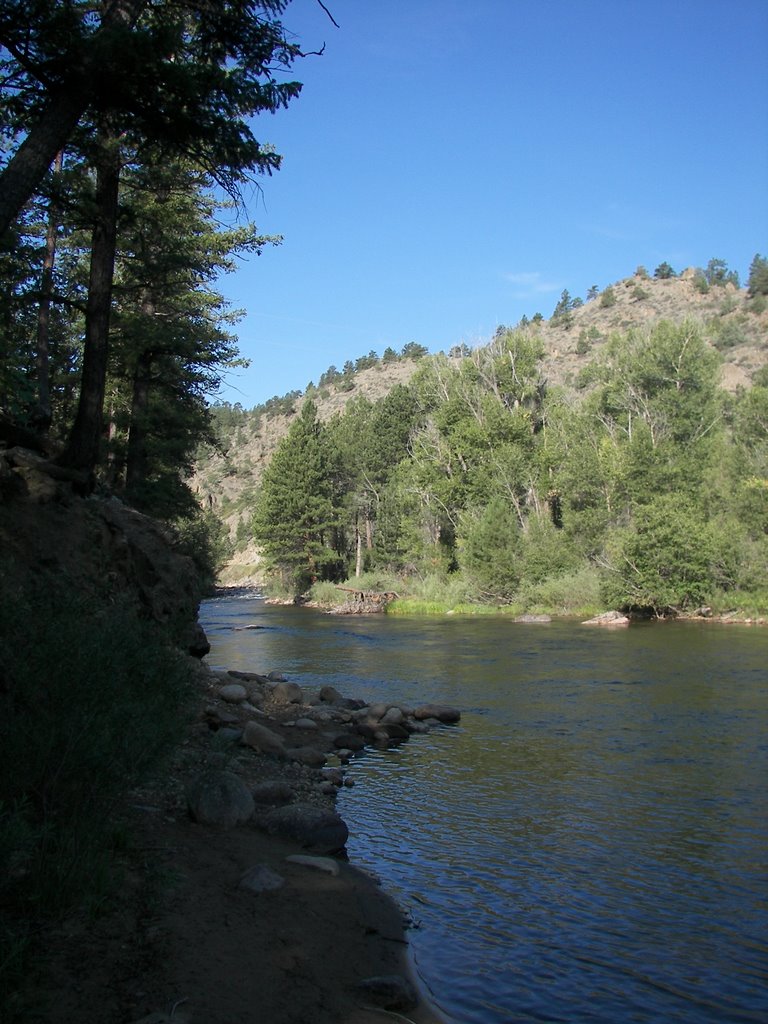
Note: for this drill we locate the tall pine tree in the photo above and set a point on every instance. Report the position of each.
(295, 515)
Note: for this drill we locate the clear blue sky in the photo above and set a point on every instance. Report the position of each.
(454, 164)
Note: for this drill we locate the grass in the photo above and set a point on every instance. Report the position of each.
(91, 699)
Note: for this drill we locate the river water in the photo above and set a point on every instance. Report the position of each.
(590, 844)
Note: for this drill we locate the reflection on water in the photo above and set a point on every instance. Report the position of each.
(589, 845)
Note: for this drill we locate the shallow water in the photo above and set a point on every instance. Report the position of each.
(591, 843)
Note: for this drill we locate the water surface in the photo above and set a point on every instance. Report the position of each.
(591, 843)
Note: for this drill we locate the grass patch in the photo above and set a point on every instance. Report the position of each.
(91, 699)
(746, 604)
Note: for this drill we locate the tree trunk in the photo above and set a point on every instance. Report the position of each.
(25, 170)
(358, 552)
(83, 449)
(44, 312)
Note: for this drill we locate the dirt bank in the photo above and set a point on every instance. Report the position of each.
(183, 942)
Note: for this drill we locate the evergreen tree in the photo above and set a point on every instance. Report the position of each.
(295, 514)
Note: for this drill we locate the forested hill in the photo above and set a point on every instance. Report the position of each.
(733, 324)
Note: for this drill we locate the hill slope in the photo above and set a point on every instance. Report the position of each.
(735, 325)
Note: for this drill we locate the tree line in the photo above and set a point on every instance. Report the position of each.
(648, 492)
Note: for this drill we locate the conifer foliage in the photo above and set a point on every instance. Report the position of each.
(295, 516)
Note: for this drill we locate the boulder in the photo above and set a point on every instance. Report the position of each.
(608, 619)
(219, 798)
(317, 829)
(329, 695)
(310, 756)
(233, 693)
(273, 793)
(441, 712)
(260, 738)
(349, 741)
(288, 693)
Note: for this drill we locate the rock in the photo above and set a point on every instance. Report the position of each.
(377, 711)
(305, 723)
(233, 693)
(221, 717)
(274, 793)
(442, 712)
(288, 693)
(228, 734)
(533, 618)
(310, 756)
(349, 741)
(396, 732)
(248, 677)
(314, 827)
(263, 739)
(276, 677)
(417, 727)
(608, 619)
(334, 775)
(261, 878)
(329, 694)
(326, 864)
(389, 991)
(219, 798)
(392, 716)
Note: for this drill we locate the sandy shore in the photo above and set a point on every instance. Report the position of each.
(184, 943)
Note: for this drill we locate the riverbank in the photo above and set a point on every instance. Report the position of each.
(217, 925)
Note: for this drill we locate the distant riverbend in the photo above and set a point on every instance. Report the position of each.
(591, 843)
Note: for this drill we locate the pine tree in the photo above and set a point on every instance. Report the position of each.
(295, 515)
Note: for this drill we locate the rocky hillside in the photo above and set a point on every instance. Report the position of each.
(733, 323)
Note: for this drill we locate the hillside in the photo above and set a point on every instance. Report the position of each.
(732, 323)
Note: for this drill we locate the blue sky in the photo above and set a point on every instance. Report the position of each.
(454, 164)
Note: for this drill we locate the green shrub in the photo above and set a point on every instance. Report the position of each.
(574, 593)
(608, 298)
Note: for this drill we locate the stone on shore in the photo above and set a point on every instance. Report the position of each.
(349, 741)
(327, 865)
(442, 712)
(263, 739)
(607, 619)
(219, 798)
(317, 829)
(233, 693)
(287, 693)
(310, 756)
(273, 793)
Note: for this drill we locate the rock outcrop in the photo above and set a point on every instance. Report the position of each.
(99, 546)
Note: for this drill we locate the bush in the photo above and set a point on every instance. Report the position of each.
(668, 559)
(574, 593)
(608, 298)
(203, 537)
(90, 699)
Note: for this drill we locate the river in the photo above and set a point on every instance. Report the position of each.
(590, 844)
